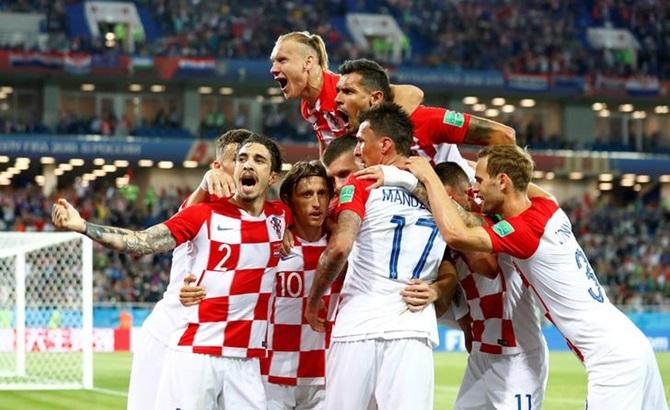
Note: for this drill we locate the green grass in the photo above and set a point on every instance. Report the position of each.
(566, 388)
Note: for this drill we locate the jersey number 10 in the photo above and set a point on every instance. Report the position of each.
(397, 238)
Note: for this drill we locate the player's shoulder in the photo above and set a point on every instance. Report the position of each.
(275, 207)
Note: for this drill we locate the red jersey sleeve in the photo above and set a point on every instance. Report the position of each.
(520, 236)
(440, 125)
(354, 195)
(185, 224)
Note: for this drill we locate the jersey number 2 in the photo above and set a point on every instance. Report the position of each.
(397, 238)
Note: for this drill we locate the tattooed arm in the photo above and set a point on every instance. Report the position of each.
(156, 239)
(470, 219)
(482, 131)
(331, 263)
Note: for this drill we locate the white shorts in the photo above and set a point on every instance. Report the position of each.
(145, 374)
(515, 381)
(193, 381)
(284, 397)
(626, 382)
(380, 374)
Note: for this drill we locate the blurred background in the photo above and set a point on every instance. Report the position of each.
(114, 105)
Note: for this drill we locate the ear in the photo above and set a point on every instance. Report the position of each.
(504, 182)
(273, 178)
(376, 97)
(309, 62)
(386, 144)
(216, 164)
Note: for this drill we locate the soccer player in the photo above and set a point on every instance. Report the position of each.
(507, 367)
(150, 353)
(537, 235)
(364, 83)
(214, 362)
(300, 66)
(381, 350)
(340, 160)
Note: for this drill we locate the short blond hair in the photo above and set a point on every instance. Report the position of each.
(313, 41)
(509, 159)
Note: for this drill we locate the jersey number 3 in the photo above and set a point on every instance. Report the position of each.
(397, 238)
(590, 274)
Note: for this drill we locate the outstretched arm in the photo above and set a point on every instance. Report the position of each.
(407, 96)
(331, 263)
(482, 131)
(156, 239)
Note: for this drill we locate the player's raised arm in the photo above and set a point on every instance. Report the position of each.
(156, 239)
(331, 264)
(457, 234)
(407, 96)
(482, 131)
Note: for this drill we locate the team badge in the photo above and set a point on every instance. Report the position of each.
(454, 118)
(347, 194)
(276, 225)
(503, 228)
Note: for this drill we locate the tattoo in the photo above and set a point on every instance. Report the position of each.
(421, 193)
(468, 217)
(332, 260)
(153, 240)
(480, 131)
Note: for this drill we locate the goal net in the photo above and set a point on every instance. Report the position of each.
(46, 312)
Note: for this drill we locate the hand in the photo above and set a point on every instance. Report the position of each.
(286, 244)
(421, 168)
(219, 183)
(64, 216)
(418, 294)
(312, 310)
(465, 324)
(374, 173)
(190, 295)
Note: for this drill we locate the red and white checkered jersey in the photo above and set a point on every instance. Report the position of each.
(296, 353)
(501, 309)
(544, 250)
(235, 256)
(436, 133)
(398, 240)
(323, 117)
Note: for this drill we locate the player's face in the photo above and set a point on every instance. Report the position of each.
(351, 99)
(226, 161)
(310, 201)
(290, 67)
(459, 195)
(487, 189)
(253, 172)
(369, 148)
(341, 168)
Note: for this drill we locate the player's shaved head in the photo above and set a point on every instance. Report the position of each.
(511, 160)
(390, 120)
(373, 75)
(235, 136)
(451, 174)
(337, 148)
(314, 42)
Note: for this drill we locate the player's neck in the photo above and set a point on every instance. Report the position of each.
(314, 85)
(308, 233)
(515, 204)
(394, 159)
(253, 207)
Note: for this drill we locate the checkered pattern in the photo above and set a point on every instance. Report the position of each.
(296, 353)
(236, 255)
(492, 330)
(327, 125)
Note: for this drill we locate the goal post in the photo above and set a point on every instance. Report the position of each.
(46, 311)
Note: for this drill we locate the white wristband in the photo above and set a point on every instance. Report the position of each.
(203, 183)
(394, 176)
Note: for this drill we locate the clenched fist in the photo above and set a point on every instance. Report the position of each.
(64, 216)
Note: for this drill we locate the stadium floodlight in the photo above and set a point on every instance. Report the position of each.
(664, 178)
(58, 172)
(226, 91)
(277, 99)
(637, 187)
(606, 177)
(13, 171)
(527, 103)
(39, 179)
(109, 168)
(121, 163)
(205, 90)
(604, 113)
(157, 88)
(122, 181)
(508, 108)
(88, 87)
(597, 106)
(99, 161)
(6, 90)
(66, 167)
(628, 176)
(77, 162)
(274, 91)
(537, 174)
(605, 186)
(190, 164)
(145, 163)
(642, 179)
(626, 107)
(576, 175)
(286, 166)
(662, 109)
(4, 159)
(99, 173)
(627, 182)
(550, 175)
(22, 160)
(470, 100)
(48, 283)
(492, 112)
(260, 98)
(22, 166)
(639, 115)
(498, 101)
(165, 164)
(478, 107)
(135, 88)
(5, 181)
(47, 160)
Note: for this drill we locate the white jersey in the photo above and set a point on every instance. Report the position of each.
(545, 251)
(398, 240)
(164, 318)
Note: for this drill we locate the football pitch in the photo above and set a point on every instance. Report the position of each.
(566, 388)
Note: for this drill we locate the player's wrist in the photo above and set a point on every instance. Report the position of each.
(203, 184)
(396, 177)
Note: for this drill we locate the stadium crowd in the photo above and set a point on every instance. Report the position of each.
(629, 247)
